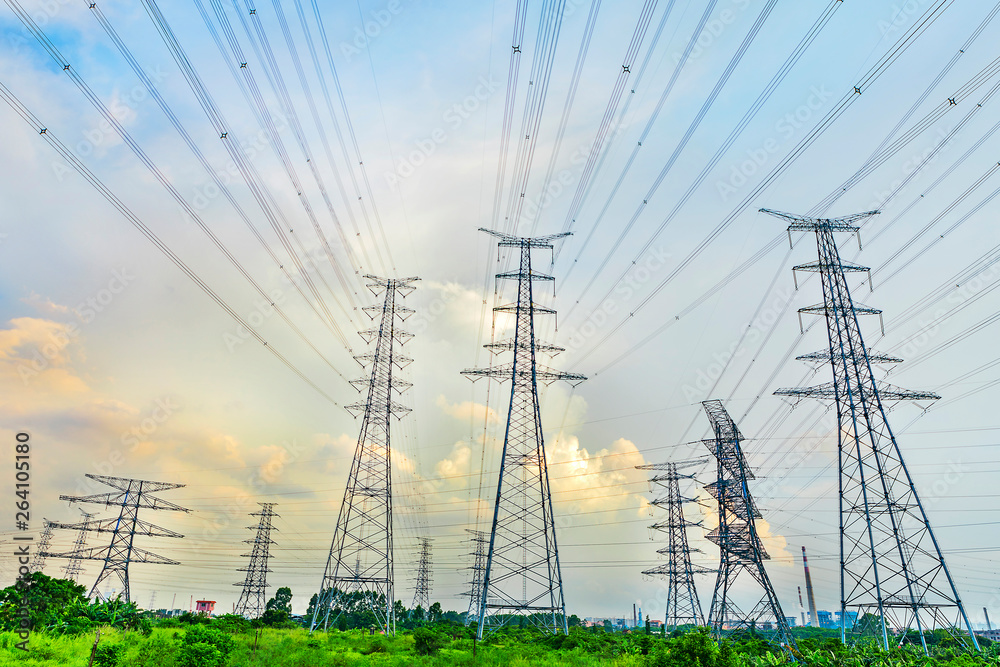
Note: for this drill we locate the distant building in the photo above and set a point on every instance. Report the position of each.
(852, 618)
(655, 624)
(204, 607)
(826, 619)
(790, 620)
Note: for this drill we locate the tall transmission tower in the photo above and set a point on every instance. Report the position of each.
(480, 544)
(522, 579)
(683, 606)
(741, 550)
(360, 559)
(893, 573)
(253, 597)
(38, 561)
(131, 496)
(74, 567)
(422, 593)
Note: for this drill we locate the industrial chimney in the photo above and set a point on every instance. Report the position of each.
(813, 619)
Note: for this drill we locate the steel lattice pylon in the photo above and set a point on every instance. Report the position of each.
(893, 573)
(481, 543)
(522, 578)
(254, 595)
(38, 561)
(74, 567)
(360, 559)
(740, 547)
(683, 606)
(422, 591)
(131, 496)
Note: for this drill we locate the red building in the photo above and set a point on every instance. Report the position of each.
(205, 607)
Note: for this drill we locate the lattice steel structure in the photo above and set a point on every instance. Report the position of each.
(741, 551)
(480, 544)
(893, 572)
(422, 589)
(522, 579)
(131, 496)
(38, 561)
(683, 606)
(253, 597)
(361, 554)
(74, 567)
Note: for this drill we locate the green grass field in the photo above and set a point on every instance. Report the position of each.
(190, 646)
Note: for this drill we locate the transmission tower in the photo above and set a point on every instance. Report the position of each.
(893, 573)
(360, 559)
(683, 606)
(480, 544)
(254, 594)
(131, 496)
(38, 561)
(522, 577)
(74, 567)
(740, 547)
(422, 594)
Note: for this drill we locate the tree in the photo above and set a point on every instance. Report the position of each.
(434, 613)
(417, 614)
(46, 598)
(573, 621)
(278, 608)
(282, 600)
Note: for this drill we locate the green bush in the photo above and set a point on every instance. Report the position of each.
(107, 655)
(205, 646)
(427, 641)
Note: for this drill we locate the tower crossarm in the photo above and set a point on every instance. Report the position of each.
(821, 309)
(823, 356)
(506, 372)
(110, 525)
(510, 241)
(803, 223)
(507, 345)
(137, 555)
(116, 499)
(513, 308)
(679, 465)
(516, 275)
(886, 391)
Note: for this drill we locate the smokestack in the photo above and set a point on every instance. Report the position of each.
(989, 628)
(813, 619)
(802, 607)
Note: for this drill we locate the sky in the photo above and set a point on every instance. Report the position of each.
(117, 362)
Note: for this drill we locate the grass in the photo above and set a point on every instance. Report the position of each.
(171, 647)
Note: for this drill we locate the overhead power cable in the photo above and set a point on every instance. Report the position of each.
(105, 192)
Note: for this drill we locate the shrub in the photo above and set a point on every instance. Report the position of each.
(107, 655)
(427, 641)
(205, 647)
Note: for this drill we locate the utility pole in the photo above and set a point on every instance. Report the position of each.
(740, 548)
(74, 567)
(523, 579)
(893, 572)
(683, 606)
(422, 594)
(253, 597)
(131, 495)
(361, 554)
(480, 544)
